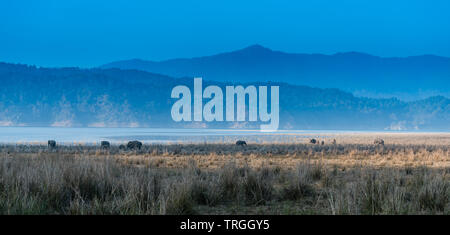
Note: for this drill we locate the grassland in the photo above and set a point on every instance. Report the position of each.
(408, 175)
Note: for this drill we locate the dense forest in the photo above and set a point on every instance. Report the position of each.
(73, 97)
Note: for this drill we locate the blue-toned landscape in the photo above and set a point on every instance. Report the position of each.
(224, 108)
(346, 91)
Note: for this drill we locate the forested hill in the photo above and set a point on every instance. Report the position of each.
(71, 97)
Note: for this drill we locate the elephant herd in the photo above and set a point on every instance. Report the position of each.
(137, 145)
(377, 141)
(314, 141)
(131, 145)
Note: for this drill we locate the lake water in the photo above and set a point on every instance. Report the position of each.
(40, 135)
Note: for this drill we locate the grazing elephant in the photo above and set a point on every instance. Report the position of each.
(378, 141)
(105, 144)
(134, 145)
(51, 144)
(241, 143)
(322, 143)
(122, 147)
(313, 141)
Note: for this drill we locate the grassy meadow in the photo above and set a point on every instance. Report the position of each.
(410, 174)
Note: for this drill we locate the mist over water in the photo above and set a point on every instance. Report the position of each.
(92, 136)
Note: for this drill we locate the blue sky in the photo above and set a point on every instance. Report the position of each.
(89, 33)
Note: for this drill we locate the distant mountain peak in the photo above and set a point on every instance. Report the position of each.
(354, 54)
(407, 78)
(255, 48)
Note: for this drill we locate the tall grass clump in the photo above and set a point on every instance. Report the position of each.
(300, 182)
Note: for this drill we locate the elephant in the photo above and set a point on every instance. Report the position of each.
(134, 145)
(241, 143)
(51, 144)
(105, 144)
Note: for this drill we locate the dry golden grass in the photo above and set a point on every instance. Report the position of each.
(408, 175)
(437, 158)
(401, 150)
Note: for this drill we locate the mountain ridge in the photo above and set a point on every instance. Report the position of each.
(259, 47)
(408, 78)
(73, 97)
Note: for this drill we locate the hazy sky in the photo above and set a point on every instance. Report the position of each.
(89, 33)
